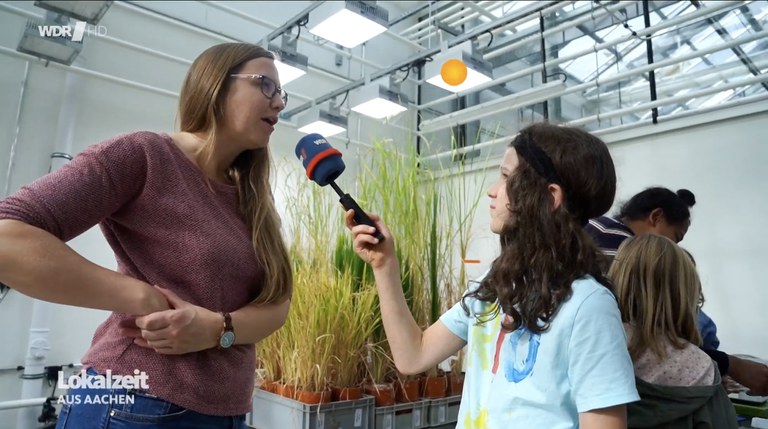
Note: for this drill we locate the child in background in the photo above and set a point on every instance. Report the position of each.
(658, 291)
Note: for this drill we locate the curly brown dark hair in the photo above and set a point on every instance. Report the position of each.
(544, 249)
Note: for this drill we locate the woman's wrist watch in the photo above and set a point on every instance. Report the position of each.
(227, 336)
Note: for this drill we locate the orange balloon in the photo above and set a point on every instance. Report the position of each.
(454, 72)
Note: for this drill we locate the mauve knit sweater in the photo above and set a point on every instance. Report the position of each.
(168, 226)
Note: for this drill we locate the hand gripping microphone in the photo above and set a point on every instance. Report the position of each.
(323, 165)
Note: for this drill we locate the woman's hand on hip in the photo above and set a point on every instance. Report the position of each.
(185, 328)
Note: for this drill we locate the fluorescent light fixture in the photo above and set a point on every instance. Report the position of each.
(514, 101)
(479, 71)
(290, 64)
(316, 120)
(348, 23)
(377, 101)
(52, 48)
(88, 11)
(288, 72)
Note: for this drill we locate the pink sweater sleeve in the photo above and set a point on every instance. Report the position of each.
(77, 196)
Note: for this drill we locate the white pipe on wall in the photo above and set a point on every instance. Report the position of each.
(16, 130)
(466, 15)
(123, 43)
(20, 12)
(159, 54)
(143, 49)
(206, 32)
(132, 84)
(38, 346)
(86, 72)
(222, 38)
(22, 403)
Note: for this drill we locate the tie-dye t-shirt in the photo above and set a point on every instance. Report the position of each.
(524, 380)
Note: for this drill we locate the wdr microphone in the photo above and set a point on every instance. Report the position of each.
(324, 165)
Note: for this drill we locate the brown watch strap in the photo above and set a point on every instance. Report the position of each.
(227, 322)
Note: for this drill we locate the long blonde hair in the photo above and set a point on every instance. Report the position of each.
(658, 292)
(201, 109)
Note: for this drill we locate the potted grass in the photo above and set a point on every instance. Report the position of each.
(378, 369)
(462, 192)
(393, 185)
(307, 351)
(431, 218)
(334, 291)
(354, 324)
(330, 321)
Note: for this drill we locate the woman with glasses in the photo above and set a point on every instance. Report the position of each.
(203, 273)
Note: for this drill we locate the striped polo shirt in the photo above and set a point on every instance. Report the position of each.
(608, 233)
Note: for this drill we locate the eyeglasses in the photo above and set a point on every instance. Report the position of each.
(268, 86)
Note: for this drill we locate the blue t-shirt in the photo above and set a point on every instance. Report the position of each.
(708, 331)
(524, 380)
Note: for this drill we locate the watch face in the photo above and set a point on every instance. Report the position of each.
(227, 339)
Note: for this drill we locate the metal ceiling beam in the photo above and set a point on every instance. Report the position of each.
(751, 18)
(688, 41)
(740, 54)
(711, 11)
(472, 5)
(411, 12)
(442, 10)
(304, 14)
(524, 52)
(420, 56)
(599, 40)
(139, 8)
(693, 48)
(617, 56)
(631, 10)
(608, 64)
(701, 78)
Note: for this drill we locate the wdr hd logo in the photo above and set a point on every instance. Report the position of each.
(75, 33)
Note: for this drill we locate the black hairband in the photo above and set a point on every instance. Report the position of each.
(542, 163)
(536, 158)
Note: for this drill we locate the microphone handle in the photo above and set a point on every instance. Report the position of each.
(360, 217)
